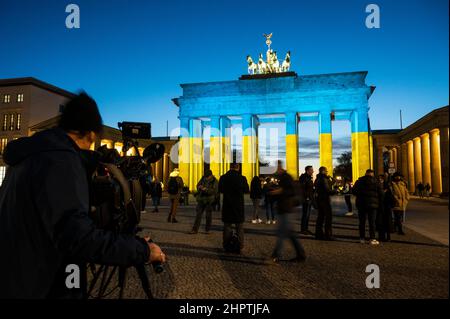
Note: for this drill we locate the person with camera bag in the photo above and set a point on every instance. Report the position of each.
(207, 188)
(44, 206)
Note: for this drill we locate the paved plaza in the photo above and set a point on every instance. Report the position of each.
(411, 266)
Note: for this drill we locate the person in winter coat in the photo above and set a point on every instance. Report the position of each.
(44, 207)
(384, 213)
(256, 195)
(156, 193)
(368, 193)
(323, 189)
(307, 192)
(285, 193)
(401, 198)
(269, 201)
(175, 186)
(207, 189)
(233, 186)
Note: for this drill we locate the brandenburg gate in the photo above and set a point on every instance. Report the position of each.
(272, 89)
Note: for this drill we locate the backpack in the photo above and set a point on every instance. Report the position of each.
(172, 187)
(233, 245)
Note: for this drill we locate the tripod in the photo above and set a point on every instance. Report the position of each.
(107, 273)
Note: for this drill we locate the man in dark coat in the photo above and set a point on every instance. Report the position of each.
(44, 204)
(233, 186)
(323, 188)
(307, 191)
(368, 193)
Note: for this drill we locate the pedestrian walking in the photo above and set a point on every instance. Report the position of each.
(427, 190)
(233, 186)
(384, 213)
(307, 192)
(420, 189)
(323, 189)
(348, 197)
(269, 201)
(207, 189)
(256, 195)
(285, 194)
(174, 187)
(401, 198)
(368, 193)
(156, 193)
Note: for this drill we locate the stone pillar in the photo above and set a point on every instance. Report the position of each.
(184, 156)
(417, 161)
(371, 150)
(444, 145)
(395, 159)
(166, 170)
(292, 144)
(426, 165)
(215, 147)
(360, 142)
(159, 170)
(249, 152)
(404, 160)
(380, 162)
(411, 174)
(435, 163)
(325, 141)
(196, 153)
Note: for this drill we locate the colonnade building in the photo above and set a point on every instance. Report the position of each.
(419, 152)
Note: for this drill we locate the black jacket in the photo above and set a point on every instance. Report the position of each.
(368, 192)
(323, 187)
(285, 199)
(306, 186)
(44, 223)
(255, 188)
(233, 186)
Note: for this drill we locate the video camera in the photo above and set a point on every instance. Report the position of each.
(116, 191)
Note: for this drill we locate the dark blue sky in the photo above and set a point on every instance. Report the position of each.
(132, 55)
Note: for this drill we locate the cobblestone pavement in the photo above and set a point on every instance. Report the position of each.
(411, 266)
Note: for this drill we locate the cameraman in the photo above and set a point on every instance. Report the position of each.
(44, 204)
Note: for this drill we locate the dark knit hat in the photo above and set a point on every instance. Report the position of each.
(81, 114)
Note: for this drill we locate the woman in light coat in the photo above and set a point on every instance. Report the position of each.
(401, 198)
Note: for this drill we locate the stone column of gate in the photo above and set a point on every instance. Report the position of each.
(292, 144)
(325, 141)
(426, 165)
(435, 162)
(360, 142)
(184, 154)
(225, 138)
(411, 174)
(248, 147)
(404, 160)
(444, 146)
(215, 147)
(417, 161)
(380, 162)
(196, 152)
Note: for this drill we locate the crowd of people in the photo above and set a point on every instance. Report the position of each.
(380, 203)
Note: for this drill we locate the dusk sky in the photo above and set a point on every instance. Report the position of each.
(131, 56)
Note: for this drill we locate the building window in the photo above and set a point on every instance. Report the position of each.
(18, 120)
(3, 143)
(2, 174)
(7, 98)
(61, 108)
(20, 97)
(11, 123)
(5, 122)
